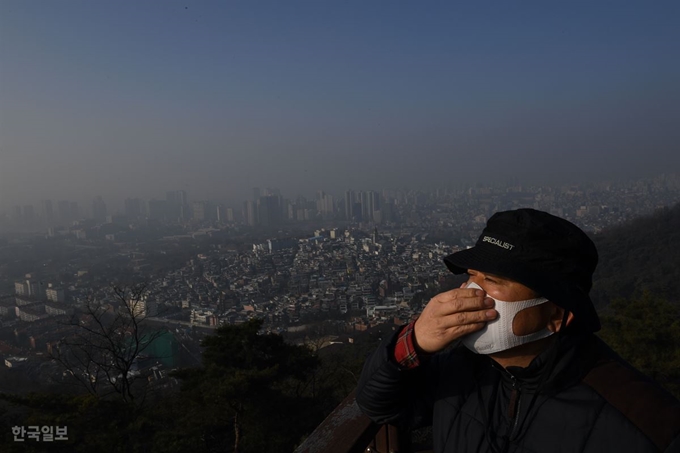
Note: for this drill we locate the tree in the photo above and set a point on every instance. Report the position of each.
(255, 385)
(103, 344)
(646, 332)
(253, 393)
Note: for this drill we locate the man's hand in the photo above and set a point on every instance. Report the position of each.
(451, 315)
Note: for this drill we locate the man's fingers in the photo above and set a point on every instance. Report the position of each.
(461, 331)
(463, 318)
(463, 304)
(461, 292)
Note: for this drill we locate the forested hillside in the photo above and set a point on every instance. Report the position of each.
(636, 289)
(642, 255)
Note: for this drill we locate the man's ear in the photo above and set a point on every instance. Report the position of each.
(556, 317)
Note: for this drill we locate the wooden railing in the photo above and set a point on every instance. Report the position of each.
(347, 430)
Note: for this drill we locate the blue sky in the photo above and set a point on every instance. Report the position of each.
(136, 98)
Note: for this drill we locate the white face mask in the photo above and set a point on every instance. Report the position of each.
(497, 335)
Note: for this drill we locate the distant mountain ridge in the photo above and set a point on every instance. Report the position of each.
(640, 255)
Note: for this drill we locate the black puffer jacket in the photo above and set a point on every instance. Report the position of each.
(589, 400)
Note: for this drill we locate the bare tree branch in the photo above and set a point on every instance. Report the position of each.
(102, 345)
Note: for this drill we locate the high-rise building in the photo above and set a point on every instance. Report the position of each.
(286, 209)
(54, 294)
(349, 205)
(365, 209)
(366, 204)
(268, 211)
(143, 307)
(184, 211)
(325, 204)
(21, 288)
(220, 213)
(250, 213)
(204, 211)
(177, 206)
(200, 210)
(374, 203)
(30, 287)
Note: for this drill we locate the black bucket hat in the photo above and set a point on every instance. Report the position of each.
(548, 254)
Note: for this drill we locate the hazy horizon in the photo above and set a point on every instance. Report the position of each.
(134, 99)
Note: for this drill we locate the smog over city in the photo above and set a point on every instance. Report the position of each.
(212, 213)
(215, 98)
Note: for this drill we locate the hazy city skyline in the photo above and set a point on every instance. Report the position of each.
(133, 100)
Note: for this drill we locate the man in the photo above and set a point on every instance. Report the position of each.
(530, 375)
